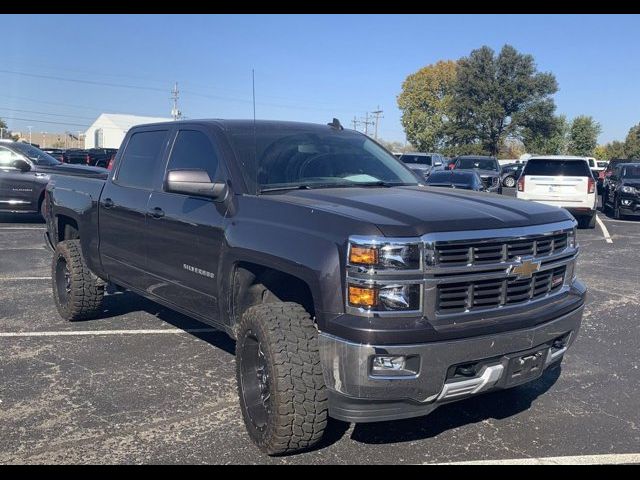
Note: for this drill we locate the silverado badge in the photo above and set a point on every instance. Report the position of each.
(525, 269)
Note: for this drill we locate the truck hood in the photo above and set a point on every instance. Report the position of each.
(414, 211)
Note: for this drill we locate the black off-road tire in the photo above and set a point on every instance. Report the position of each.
(295, 413)
(616, 210)
(77, 292)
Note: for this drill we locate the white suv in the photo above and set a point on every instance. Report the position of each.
(563, 181)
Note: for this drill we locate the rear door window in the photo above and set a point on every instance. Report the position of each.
(557, 168)
(141, 158)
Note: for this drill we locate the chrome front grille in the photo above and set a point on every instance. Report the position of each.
(492, 293)
(479, 253)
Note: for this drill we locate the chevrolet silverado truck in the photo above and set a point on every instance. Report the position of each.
(351, 289)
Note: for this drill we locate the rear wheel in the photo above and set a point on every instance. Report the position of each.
(280, 384)
(77, 292)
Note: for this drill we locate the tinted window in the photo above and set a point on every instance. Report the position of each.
(479, 163)
(141, 158)
(557, 168)
(631, 171)
(193, 150)
(439, 177)
(416, 159)
(34, 154)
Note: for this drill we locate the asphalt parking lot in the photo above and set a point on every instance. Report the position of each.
(146, 385)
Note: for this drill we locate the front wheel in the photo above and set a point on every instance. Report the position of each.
(77, 292)
(280, 384)
(509, 182)
(616, 210)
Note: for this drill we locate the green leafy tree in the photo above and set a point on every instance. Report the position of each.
(583, 135)
(615, 149)
(632, 142)
(549, 138)
(425, 101)
(497, 96)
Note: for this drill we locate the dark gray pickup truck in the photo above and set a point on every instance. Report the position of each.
(351, 289)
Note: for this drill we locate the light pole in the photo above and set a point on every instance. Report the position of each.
(44, 139)
(29, 127)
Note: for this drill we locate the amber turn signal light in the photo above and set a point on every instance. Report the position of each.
(362, 296)
(363, 255)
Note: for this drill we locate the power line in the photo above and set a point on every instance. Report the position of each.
(46, 113)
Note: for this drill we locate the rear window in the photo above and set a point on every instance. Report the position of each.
(557, 168)
(416, 159)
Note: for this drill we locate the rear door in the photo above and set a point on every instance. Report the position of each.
(185, 233)
(563, 182)
(123, 207)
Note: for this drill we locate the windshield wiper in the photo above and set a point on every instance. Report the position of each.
(285, 188)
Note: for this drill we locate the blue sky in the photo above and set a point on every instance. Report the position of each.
(308, 68)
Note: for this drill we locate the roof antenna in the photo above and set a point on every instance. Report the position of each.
(255, 140)
(335, 124)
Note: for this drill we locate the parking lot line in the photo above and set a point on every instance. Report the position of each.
(605, 459)
(24, 278)
(22, 228)
(108, 332)
(607, 237)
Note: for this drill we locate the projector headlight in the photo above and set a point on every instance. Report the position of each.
(383, 254)
(627, 189)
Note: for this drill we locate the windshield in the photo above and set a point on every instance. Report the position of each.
(416, 159)
(34, 154)
(631, 172)
(479, 163)
(280, 158)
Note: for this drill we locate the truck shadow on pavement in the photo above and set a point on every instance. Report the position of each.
(21, 219)
(496, 405)
(123, 303)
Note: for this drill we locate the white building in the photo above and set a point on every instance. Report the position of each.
(109, 129)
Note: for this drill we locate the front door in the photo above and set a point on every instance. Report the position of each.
(185, 233)
(16, 187)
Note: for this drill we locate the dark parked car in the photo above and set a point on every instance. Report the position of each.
(76, 156)
(487, 167)
(622, 193)
(24, 173)
(466, 180)
(351, 290)
(604, 181)
(423, 163)
(57, 153)
(510, 173)
(100, 157)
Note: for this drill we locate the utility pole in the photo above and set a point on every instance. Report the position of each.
(175, 113)
(366, 122)
(44, 139)
(355, 122)
(378, 116)
(29, 127)
(80, 145)
(1, 132)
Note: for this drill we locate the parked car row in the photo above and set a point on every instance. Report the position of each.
(95, 157)
(24, 173)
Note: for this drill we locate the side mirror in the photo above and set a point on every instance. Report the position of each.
(21, 165)
(197, 183)
(437, 163)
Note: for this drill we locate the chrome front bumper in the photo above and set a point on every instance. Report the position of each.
(359, 396)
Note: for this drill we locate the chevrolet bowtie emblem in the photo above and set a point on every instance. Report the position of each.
(525, 269)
